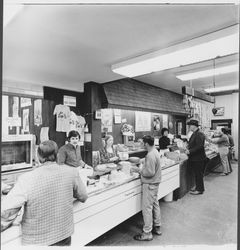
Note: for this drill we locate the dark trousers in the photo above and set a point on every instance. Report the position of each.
(65, 242)
(198, 168)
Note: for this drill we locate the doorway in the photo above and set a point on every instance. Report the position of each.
(223, 123)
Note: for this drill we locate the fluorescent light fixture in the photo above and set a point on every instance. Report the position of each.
(221, 89)
(219, 43)
(209, 72)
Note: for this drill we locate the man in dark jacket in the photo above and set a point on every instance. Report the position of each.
(196, 155)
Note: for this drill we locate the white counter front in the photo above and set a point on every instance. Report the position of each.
(105, 208)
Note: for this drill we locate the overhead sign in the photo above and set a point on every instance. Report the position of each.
(69, 100)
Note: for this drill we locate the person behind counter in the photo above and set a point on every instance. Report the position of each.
(150, 178)
(164, 141)
(108, 153)
(70, 153)
(196, 156)
(223, 143)
(47, 196)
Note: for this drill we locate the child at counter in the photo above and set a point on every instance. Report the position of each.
(108, 153)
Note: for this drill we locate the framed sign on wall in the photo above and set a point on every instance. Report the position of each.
(218, 111)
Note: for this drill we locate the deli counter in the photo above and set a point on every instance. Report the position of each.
(114, 190)
(119, 195)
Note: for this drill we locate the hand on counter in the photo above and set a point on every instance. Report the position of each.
(135, 169)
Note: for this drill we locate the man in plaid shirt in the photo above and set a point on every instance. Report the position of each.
(47, 195)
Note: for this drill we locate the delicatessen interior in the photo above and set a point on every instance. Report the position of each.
(116, 116)
(111, 131)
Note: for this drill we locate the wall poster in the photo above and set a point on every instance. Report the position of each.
(117, 116)
(38, 112)
(25, 120)
(15, 107)
(156, 122)
(142, 121)
(25, 102)
(165, 120)
(107, 120)
(44, 134)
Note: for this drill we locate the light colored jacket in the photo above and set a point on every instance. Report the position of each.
(151, 171)
(221, 141)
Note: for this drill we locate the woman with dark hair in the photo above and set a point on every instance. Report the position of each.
(164, 141)
(70, 153)
(108, 152)
(46, 193)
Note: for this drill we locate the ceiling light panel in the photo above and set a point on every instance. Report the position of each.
(204, 48)
(221, 89)
(209, 72)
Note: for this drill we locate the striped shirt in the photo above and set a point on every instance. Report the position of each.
(47, 196)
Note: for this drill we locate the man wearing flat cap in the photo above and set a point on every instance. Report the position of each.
(196, 156)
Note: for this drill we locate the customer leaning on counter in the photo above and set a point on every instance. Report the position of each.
(47, 196)
(108, 152)
(151, 178)
(223, 143)
(70, 153)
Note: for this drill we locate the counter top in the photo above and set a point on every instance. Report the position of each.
(91, 190)
(14, 231)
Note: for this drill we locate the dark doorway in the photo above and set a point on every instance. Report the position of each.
(225, 123)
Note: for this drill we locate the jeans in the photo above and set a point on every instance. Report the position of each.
(65, 242)
(150, 207)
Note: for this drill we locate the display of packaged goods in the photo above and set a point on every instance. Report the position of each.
(122, 148)
(172, 155)
(106, 166)
(123, 156)
(164, 161)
